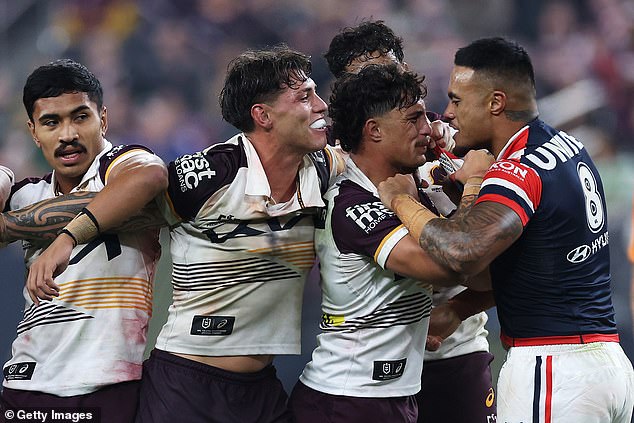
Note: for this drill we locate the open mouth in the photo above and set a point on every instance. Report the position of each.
(69, 155)
(318, 124)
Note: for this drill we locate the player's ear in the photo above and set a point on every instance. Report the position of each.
(31, 127)
(497, 104)
(261, 116)
(372, 130)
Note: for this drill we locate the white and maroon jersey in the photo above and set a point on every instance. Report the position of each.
(374, 322)
(239, 260)
(471, 335)
(94, 333)
(555, 279)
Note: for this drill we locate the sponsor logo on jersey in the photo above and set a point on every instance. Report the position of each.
(389, 369)
(583, 252)
(559, 148)
(367, 216)
(191, 169)
(19, 371)
(212, 325)
(332, 319)
(510, 168)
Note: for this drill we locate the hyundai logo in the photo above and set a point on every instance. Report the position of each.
(579, 254)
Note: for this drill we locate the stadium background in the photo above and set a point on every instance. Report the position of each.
(162, 63)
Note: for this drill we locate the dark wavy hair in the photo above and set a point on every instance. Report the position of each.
(373, 92)
(361, 40)
(62, 76)
(259, 76)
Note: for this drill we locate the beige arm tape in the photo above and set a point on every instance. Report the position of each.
(82, 229)
(412, 213)
(472, 186)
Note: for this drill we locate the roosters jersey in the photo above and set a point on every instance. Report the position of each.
(555, 279)
(94, 333)
(374, 322)
(239, 260)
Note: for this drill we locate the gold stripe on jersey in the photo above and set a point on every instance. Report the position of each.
(384, 240)
(300, 254)
(119, 158)
(113, 292)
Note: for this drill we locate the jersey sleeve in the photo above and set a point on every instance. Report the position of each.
(361, 224)
(194, 178)
(513, 184)
(118, 154)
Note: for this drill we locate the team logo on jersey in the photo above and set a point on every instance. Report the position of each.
(212, 325)
(19, 371)
(191, 169)
(368, 215)
(389, 369)
(114, 151)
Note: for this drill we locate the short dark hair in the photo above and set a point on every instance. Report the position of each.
(258, 76)
(62, 76)
(361, 40)
(373, 92)
(502, 59)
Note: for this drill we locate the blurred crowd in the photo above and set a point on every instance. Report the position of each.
(162, 63)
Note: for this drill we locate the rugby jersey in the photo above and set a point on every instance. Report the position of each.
(94, 333)
(239, 261)
(374, 322)
(555, 279)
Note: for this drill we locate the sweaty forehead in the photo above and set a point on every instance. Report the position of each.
(373, 58)
(462, 75)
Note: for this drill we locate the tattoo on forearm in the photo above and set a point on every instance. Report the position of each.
(43, 220)
(466, 237)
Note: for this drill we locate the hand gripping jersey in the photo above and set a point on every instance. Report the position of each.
(374, 322)
(94, 333)
(471, 335)
(554, 280)
(239, 260)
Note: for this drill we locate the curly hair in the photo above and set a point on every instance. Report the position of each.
(361, 40)
(259, 76)
(373, 92)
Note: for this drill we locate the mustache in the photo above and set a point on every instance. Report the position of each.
(74, 145)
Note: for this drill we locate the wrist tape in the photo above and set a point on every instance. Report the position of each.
(412, 213)
(83, 228)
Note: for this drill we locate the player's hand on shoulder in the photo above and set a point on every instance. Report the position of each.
(40, 282)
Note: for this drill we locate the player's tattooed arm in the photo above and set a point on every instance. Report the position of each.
(473, 237)
(42, 221)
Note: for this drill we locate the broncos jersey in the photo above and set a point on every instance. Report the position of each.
(94, 333)
(374, 322)
(239, 260)
(555, 279)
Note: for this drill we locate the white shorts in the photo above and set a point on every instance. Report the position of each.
(585, 383)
